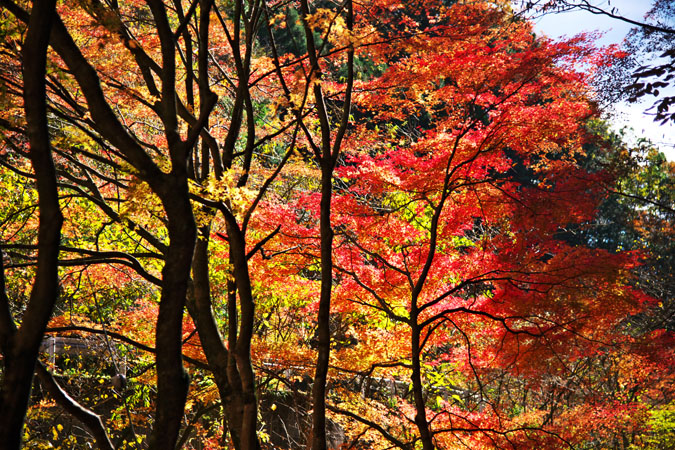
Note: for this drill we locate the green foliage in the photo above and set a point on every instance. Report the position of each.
(661, 431)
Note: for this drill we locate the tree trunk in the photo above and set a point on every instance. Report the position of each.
(20, 348)
(318, 440)
(242, 350)
(172, 380)
(418, 393)
(229, 385)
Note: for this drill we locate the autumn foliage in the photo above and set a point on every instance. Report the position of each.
(316, 224)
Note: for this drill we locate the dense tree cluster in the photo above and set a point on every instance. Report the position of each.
(322, 224)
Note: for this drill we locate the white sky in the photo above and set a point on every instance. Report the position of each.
(631, 115)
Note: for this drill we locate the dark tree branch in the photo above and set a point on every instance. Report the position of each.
(88, 418)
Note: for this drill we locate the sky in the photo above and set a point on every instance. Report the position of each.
(627, 115)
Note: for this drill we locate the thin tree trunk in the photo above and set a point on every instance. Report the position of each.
(329, 152)
(418, 393)
(317, 437)
(318, 441)
(242, 350)
(212, 341)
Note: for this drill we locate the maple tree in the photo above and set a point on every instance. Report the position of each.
(356, 206)
(637, 215)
